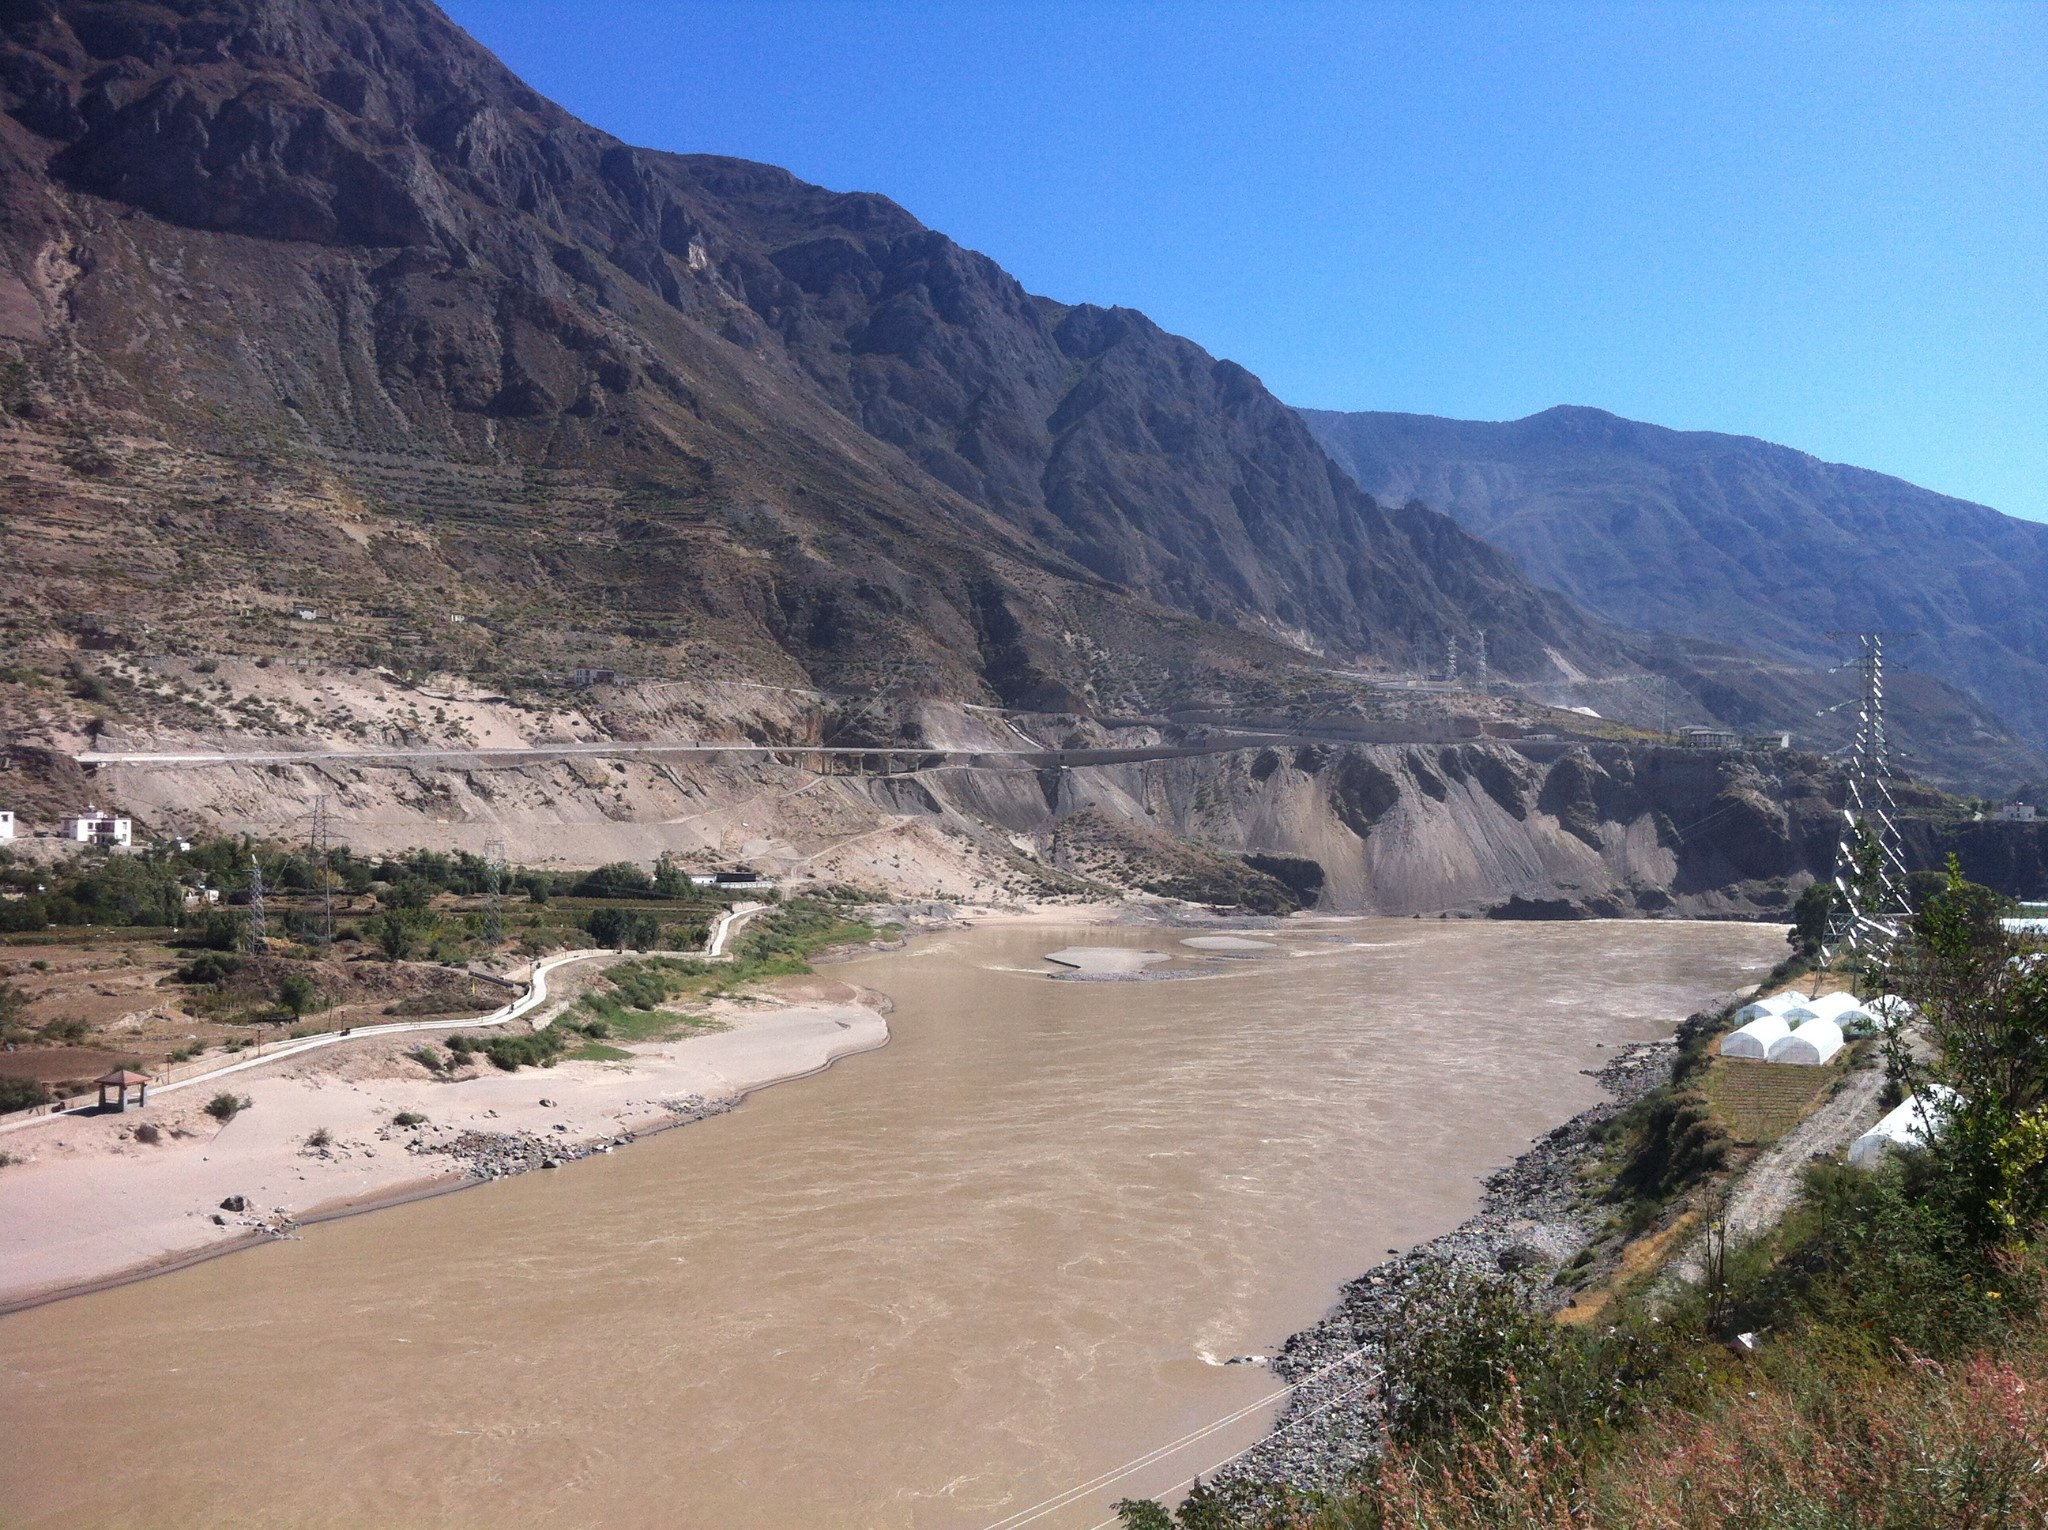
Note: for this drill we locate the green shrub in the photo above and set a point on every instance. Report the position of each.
(541, 1049)
(224, 1107)
(208, 967)
(408, 1118)
(22, 1093)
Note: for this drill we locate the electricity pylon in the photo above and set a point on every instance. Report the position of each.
(1870, 874)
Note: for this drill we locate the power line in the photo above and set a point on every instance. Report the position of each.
(1071, 1495)
(1299, 1419)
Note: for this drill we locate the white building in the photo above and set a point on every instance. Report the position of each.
(735, 881)
(1710, 738)
(6, 823)
(2015, 812)
(92, 827)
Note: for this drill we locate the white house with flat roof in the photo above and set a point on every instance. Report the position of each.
(6, 823)
(93, 827)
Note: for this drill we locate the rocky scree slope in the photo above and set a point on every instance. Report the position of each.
(316, 303)
(1731, 540)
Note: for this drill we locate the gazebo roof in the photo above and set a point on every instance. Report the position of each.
(125, 1076)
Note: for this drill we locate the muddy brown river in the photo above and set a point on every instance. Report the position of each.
(929, 1288)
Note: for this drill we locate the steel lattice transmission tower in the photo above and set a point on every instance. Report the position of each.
(1870, 874)
(494, 892)
(257, 934)
(323, 856)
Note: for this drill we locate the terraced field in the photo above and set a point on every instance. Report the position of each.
(1759, 1102)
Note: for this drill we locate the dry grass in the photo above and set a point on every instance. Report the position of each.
(1637, 1260)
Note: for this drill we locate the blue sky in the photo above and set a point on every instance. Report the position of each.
(1823, 225)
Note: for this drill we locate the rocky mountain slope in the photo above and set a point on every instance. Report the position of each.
(352, 392)
(1731, 540)
(344, 288)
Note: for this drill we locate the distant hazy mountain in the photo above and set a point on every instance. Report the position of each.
(1730, 539)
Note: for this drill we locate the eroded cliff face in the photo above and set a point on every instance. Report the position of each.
(1512, 829)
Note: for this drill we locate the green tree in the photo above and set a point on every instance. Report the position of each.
(392, 934)
(1810, 917)
(295, 991)
(13, 1013)
(621, 879)
(1141, 1514)
(408, 893)
(610, 927)
(1983, 1012)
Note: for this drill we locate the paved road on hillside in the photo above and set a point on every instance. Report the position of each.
(985, 756)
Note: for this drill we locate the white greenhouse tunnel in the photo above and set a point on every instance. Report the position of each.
(1814, 1043)
(1756, 1039)
(1910, 1124)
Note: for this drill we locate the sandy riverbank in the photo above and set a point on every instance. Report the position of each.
(90, 1203)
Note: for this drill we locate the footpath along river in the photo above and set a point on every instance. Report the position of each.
(926, 1289)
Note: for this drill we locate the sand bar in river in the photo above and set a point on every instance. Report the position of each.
(90, 1201)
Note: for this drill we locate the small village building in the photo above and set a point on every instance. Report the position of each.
(121, 1080)
(1755, 1040)
(6, 823)
(1815, 1043)
(93, 827)
(585, 676)
(1710, 738)
(2015, 812)
(1767, 743)
(740, 880)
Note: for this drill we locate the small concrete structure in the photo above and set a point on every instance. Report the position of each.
(2015, 812)
(1710, 738)
(1767, 743)
(1755, 1040)
(6, 823)
(121, 1080)
(1815, 1043)
(586, 675)
(92, 827)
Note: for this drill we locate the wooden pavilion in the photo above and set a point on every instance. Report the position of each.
(121, 1080)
